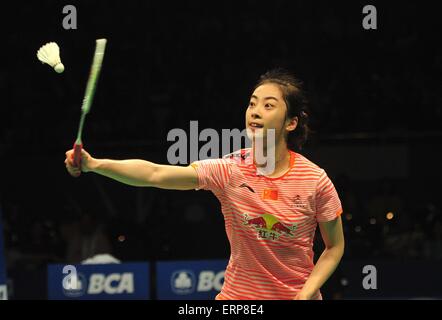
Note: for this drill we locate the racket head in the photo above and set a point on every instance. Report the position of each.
(97, 62)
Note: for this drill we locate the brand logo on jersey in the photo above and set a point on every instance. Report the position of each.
(244, 185)
(269, 227)
(298, 202)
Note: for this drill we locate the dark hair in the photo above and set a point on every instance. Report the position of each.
(296, 101)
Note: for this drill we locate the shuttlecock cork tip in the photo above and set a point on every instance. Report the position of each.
(59, 68)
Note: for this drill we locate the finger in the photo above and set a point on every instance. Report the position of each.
(69, 163)
(73, 169)
(74, 173)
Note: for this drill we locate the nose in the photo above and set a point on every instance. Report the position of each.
(255, 114)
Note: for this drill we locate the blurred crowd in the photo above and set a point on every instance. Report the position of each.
(191, 63)
(384, 222)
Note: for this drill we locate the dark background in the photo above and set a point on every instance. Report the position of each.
(376, 110)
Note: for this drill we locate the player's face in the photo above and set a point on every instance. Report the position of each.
(267, 110)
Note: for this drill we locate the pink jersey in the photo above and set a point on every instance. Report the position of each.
(270, 222)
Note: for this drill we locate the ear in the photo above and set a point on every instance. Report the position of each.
(292, 124)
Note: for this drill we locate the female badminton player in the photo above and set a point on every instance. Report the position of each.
(270, 219)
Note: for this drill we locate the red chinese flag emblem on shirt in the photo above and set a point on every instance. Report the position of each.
(270, 194)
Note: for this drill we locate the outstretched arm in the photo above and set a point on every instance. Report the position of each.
(135, 172)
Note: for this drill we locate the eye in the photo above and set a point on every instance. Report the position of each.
(268, 106)
(251, 104)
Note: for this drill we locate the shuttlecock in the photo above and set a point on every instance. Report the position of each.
(50, 54)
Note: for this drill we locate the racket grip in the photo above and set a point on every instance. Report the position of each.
(76, 156)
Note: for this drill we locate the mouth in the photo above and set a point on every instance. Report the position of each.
(255, 125)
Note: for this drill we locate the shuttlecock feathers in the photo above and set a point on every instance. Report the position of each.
(50, 54)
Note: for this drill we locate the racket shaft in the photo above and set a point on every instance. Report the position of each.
(88, 97)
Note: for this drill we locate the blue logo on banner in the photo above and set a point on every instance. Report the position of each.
(187, 280)
(99, 281)
(183, 282)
